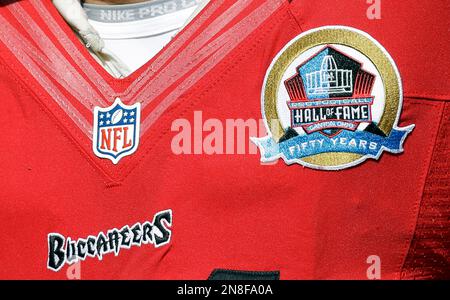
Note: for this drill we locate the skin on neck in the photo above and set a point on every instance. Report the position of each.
(113, 2)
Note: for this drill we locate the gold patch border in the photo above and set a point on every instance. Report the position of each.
(345, 36)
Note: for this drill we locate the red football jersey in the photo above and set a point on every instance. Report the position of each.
(151, 176)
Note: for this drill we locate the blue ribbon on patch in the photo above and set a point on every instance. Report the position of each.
(359, 142)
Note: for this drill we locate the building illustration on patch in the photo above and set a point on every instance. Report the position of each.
(326, 98)
(329, 79)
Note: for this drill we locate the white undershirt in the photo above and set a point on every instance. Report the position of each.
(138, 39)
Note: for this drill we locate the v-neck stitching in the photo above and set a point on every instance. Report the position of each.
(114, 87)
(123, 84)
(120, 87)
(183, 62)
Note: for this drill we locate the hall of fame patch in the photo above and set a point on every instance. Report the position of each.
(331, 99)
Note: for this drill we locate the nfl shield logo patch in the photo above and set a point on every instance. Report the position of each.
(116, 130)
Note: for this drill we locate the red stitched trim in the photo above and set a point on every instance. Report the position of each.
(430, 97)
(420, 187)
(293, 16)
(429, 254)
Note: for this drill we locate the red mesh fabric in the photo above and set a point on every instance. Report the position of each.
(429, 254)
